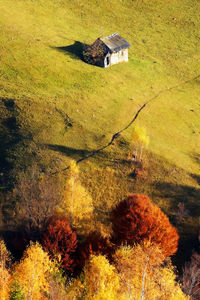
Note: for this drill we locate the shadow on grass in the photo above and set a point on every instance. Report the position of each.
(196, 158)
(186, 248)
(71, 152)
(11, 140)
(77, 154)
(196, 177)
(180, 193)
(188, 226)
(75, 50)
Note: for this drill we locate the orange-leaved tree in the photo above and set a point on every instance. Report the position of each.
(60, 241)
(137, 219)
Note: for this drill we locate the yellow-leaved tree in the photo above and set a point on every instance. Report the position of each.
(4, 273)
(100, 281)
(33, 271)
(77, 203)
(139, 141)
(143, 276)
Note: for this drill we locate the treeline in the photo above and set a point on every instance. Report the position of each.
(65, 255)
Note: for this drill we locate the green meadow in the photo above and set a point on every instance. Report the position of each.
(55, 107)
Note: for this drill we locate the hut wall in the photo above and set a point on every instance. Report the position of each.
(118, 57)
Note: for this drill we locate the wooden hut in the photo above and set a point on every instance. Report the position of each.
(107, 51)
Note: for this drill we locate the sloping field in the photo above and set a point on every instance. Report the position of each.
(54, 106)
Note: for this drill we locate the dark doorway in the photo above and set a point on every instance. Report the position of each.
(107, 61)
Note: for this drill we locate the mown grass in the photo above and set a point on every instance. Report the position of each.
(49, 86)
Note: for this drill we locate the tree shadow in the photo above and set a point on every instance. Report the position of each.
(196, 158)
(196, 177)
(74, 51)
(11, 139)
(71, 152)
(16, 241)
(84, 154)
(188, 226)
(180, 193)
(185, 249)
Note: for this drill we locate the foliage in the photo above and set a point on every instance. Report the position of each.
(5, 256)
(139, 141)
(137, 274)
(77, 203)
(57, 282)
(60, 242)
(137, 219)
(33, 271)
(4, 283)
(142, 275)
(16, 291)
(101, 280)
(4, 272)
(94, 244)
(162, 54)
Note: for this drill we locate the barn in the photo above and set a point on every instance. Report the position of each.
(107, 51)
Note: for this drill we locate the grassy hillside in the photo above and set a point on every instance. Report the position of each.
(55, 106)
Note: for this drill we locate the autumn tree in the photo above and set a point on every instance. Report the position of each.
(135, 265)
(60, 242)
(139, 141)
(4, 271)
(37, 195)
(32, 272)
(137, 219)
(57, 283)
(77, 203)
(143, 276)
(94, 244)
(100, 281)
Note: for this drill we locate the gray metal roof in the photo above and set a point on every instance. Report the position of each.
(115, 42)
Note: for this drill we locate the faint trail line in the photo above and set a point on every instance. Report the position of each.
(117, 134)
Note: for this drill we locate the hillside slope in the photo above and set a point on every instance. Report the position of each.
(55, 106)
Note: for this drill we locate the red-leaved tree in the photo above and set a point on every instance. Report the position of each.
(95, 244)
(60, 242)
(137, 219)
